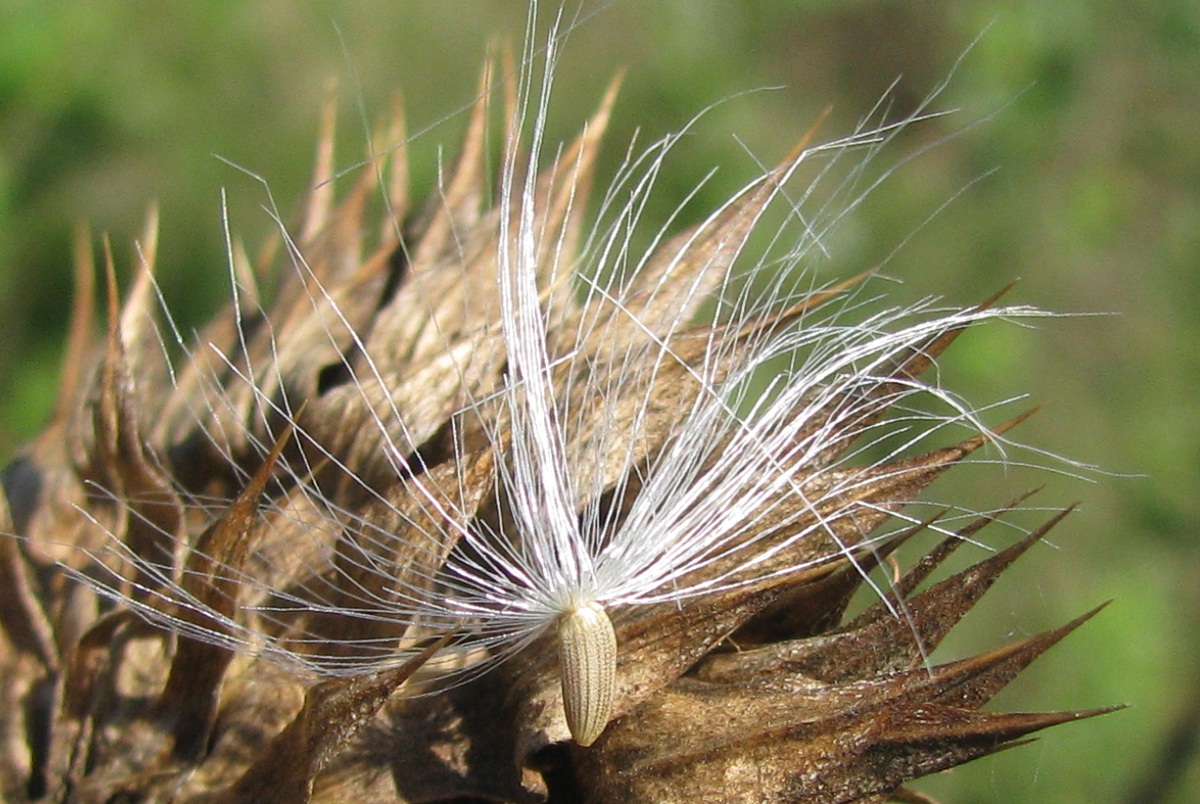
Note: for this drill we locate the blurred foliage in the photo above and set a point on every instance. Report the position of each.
(1088, 113)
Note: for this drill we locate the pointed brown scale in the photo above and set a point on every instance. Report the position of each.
(141, 339)
(385, 175)
(388, 261)
(70, 435)
(137, 313)
(21, 614)
(337, 251)
(927, 732)
(964, 684)
(320, 200)
(99, 408)
(457, 206)
(879, 640)
(916, 574)
(191, 695)
(921, 358)
(333, 711)
(939, 739)
(816, 607)
(81, 338)
(396, 190)
(929, 616)
(999, 667)
(151, 511)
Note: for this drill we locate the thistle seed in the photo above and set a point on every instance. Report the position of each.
(587, 655)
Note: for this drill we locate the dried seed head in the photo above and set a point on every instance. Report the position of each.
(587, 656)
(513, 425)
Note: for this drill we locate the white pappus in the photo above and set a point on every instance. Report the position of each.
(639, 457)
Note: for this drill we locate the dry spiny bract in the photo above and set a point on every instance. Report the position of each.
(319, 557)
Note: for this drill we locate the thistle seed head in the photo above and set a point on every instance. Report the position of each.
(402, 525)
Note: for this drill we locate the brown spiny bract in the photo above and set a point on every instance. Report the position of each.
(170, 483)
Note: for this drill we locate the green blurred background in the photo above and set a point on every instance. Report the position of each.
(1093, 125)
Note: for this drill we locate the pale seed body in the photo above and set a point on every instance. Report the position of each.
(587, 654)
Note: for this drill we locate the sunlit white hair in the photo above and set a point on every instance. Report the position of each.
(784, 378)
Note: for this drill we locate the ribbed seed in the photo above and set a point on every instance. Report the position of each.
(587, 655)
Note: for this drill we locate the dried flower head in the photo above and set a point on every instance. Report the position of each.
(551, 514)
